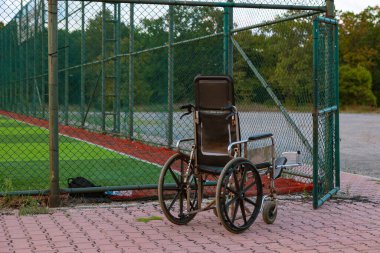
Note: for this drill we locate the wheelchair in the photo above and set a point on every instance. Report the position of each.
(217, 150)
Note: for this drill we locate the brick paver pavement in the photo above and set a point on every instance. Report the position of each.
(349, 223)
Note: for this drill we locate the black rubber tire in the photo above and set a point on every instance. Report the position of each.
(269, 211)
(232, 196)
(174, 207)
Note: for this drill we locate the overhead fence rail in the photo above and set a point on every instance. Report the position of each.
(123, 68)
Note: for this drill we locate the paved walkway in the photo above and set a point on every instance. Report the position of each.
(349, 223)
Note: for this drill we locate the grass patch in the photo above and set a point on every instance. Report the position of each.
(27, 205)
(24, 160)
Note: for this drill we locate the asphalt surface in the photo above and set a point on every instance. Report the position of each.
(360, 143)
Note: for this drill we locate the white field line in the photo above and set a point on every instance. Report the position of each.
(93, 144)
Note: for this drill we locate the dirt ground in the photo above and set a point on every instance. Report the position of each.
(360, 143)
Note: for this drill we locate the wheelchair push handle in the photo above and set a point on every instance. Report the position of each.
(230, 108)
(189, 108)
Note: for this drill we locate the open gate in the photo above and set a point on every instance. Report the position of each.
(326, 162)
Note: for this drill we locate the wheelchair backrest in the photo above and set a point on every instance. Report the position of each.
(215, 127)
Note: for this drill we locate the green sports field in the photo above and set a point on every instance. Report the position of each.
(24, 161)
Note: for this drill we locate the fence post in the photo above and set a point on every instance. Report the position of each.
(117, 34)
(330, 9)
(54, 200)
(66, 46)
(43, 55)
(82, 61)
(169, 130)
(315, 114)
(34, 96)
(131, 70)
(337, 128)
(27, 61)
(103, 96)
(19, 107)
(226, 40)
(230, 45)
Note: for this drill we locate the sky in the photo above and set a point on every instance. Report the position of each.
(355, 6)
(7, 10)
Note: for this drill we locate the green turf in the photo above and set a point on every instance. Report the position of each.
(24, 160)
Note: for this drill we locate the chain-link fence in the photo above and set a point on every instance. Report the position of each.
(124, 70)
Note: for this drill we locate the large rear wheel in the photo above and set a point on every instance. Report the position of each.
(239, 195)
(178, 192)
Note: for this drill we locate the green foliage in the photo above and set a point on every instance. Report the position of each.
(356, 84)
(359, 36)
(1, 25)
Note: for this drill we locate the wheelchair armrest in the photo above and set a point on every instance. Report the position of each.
(257, 137)
(252, 138)
(182, 140)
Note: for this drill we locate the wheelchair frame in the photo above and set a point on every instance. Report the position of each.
(239, 184)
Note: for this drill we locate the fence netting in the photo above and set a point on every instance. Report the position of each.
(124, 71)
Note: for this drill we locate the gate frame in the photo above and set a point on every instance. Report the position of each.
(332, 109)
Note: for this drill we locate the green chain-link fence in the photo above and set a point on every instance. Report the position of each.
(124, 70)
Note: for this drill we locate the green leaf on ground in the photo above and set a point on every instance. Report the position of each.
(147, 219)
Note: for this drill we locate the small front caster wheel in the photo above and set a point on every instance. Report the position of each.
(270, 211)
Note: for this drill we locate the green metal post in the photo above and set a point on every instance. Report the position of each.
(330, 101)
(27, 91)
(4, 84)
(337, 128)
(34, 98)
(315, 114)
(82, 68)
(14, 82)
(54, 200)
(169, 130)
(226, 36)
(21, 83)
(330, 9)
(117, 69)
(2, 62)
(66, 107)
(230, 34)
(131, 70)
(43, 57)
(103, 94)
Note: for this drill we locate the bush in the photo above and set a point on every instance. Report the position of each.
(356, 86)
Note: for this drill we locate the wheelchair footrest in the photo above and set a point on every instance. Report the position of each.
(278, 166)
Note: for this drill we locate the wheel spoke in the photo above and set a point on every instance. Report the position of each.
(235, 210)
(250, 201)
(229, 202)
(243, 179)
(243, 210)
(174, 176)
(231, 190)
(249, 186)
(191, 202)
(174, 200)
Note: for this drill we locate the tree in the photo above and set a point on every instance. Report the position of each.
(356, 84)
(359, 36)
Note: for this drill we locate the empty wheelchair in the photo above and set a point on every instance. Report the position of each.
(217, 150)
